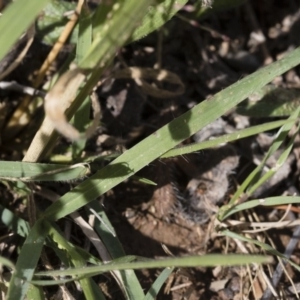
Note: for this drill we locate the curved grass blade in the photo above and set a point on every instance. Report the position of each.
(167, 138)
(6, 262)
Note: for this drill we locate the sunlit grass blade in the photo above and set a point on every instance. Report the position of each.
(210, 260)
(263, 246)
(240, 134)
(158, 283)
(167, 138)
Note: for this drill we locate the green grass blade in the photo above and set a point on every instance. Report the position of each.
(240, 134)
(35, 292)
(271, 201)
(253, 176)
(158, 283)
(82, 115)
(130, 283)
(6, 262)
(75, 259)
(280, 161)
(106, 231)
(167, 138)
(22, 16)
(26, 263)
(84, 39)
(210, 260)
(271, 101)
(14, 222)
(13, 170)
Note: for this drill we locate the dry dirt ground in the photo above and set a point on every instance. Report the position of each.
(176, 217)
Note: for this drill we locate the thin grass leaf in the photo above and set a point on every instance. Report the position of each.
(14, 222)
(252, 177)
(82, 115)
(271, 201)
(167, 138)
(22, 228)
(74, 259)
(13, 170)
(27, 261)
(158, 283)
(263, 246)
(210, 260)
(22, 16)
(58, 244)
(280, 161)
(105, 230)
(240, 134)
